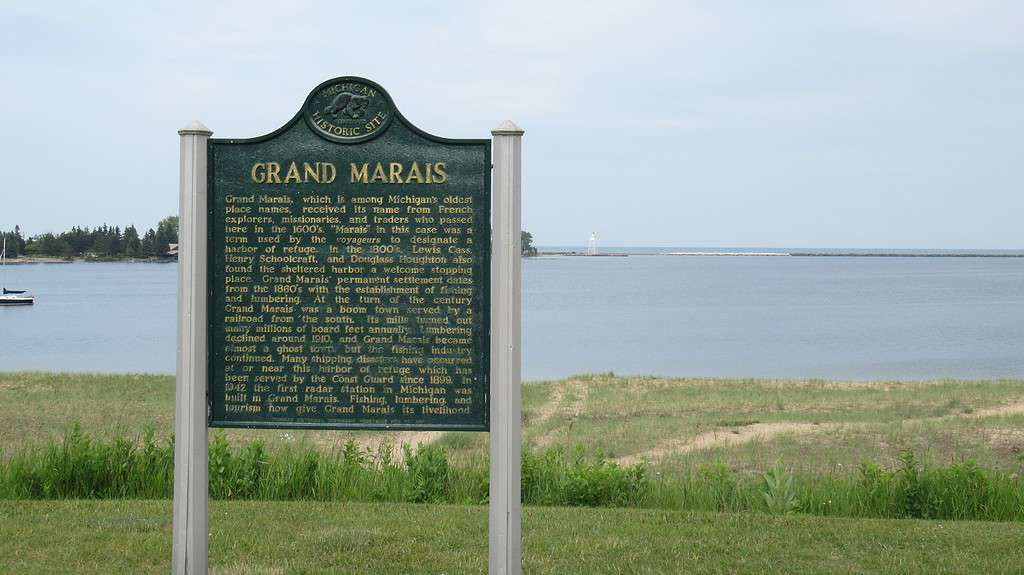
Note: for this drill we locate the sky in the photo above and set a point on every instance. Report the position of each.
(868, 123)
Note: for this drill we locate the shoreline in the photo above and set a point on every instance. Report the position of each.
(28, 260)
(24, 261)
(783, 254)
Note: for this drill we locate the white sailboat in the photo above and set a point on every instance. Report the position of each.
(11, 296)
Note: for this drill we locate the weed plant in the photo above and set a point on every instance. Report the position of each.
(80, 467)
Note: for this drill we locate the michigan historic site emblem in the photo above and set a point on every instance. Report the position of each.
(348, 110)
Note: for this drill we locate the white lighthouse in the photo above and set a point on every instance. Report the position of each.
(592, 244)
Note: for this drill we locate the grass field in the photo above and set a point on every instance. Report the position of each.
(671, 424)
(277, 538)
(818, 429)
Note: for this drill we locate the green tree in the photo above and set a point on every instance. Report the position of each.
(80, 239)
(149, 243)
(15, 243)
(101, 241)
(166, 233)
(116, 244)
(132, 246)
(48, 245)
(528, 248)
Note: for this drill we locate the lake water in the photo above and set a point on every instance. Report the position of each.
(832, 317)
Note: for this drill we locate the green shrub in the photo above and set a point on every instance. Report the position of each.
(428, 473)
(234, 476)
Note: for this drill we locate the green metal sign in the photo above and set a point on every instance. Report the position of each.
(349, 266)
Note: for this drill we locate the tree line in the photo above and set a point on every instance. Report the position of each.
(113, 242)
(102, 241)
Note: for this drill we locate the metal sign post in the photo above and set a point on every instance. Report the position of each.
(505, 513)
(191, 486)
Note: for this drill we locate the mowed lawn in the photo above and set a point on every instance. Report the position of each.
(134, 537)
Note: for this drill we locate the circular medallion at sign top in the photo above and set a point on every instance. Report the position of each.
(348, 110)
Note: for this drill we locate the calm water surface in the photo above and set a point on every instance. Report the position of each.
(849, 318)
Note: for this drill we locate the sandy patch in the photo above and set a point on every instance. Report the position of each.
(549, 409)
(733, 436)
(999, 410)
(561, 404)
(725, 437)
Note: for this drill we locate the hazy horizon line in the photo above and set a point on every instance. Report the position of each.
(780, 248)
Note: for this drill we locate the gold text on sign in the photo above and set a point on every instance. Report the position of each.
(399, 173)
(293, 173)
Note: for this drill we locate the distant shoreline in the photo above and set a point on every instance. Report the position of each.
(581, 254)
(29, 260)
(803, 254)
(845, 254)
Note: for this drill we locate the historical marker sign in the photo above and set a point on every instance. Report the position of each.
(349, 264)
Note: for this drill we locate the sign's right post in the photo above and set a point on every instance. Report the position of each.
(505, 509)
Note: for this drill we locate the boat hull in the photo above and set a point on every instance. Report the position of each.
(16, 300)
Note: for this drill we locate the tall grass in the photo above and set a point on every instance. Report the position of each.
(554, 478)
(81, 467)
(960, 491)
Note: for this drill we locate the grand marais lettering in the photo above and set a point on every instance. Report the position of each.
(366, 173)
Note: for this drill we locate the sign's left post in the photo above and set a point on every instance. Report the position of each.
(191, 487)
